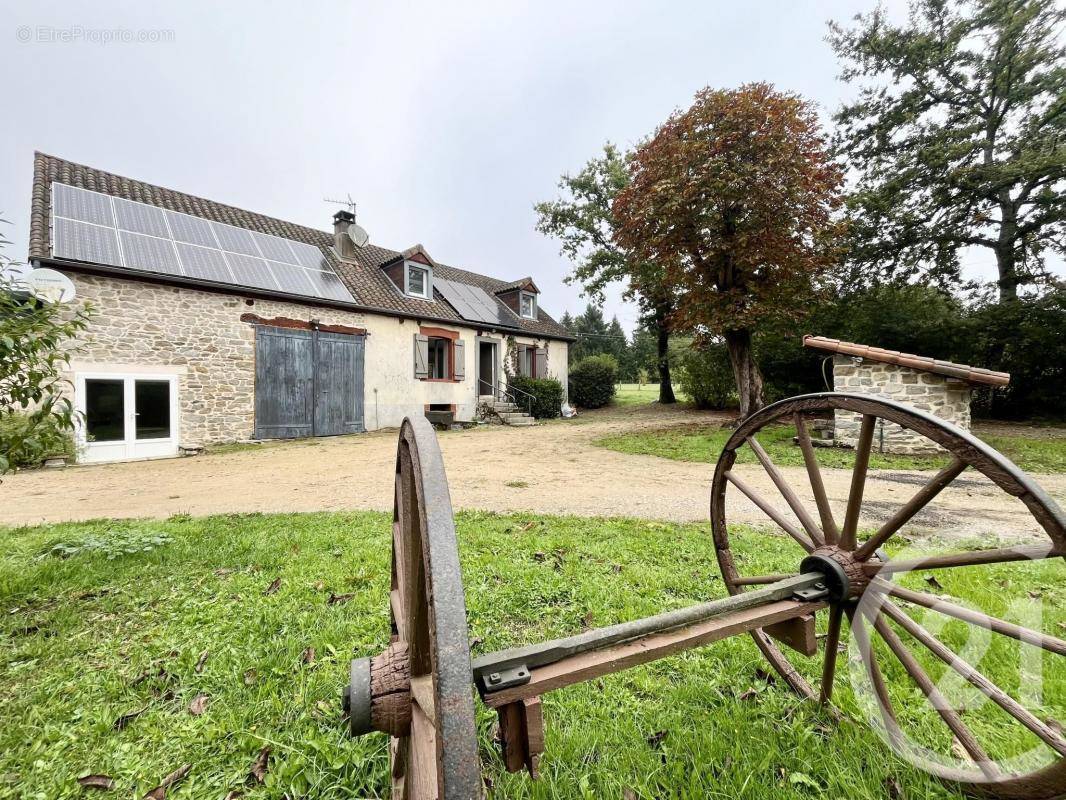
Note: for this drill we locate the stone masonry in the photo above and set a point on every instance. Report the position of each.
(947, 398)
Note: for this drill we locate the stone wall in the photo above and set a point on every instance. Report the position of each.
(944, 397)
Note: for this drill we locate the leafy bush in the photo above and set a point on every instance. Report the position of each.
(547, 395)
(27, 440)
(706, 376)
(592, 381)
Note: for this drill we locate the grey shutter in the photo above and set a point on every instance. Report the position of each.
(522, 361)
(459, 360)
(541, 363)
(421, 356)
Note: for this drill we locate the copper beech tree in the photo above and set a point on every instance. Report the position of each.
(734, 199)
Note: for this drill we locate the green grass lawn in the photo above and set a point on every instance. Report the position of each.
(633, 394)
(103, 624)
(705, 443)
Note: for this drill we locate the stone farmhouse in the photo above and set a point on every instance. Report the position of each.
(213, 324)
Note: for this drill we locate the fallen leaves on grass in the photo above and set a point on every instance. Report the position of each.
(751, 694)
(250, 677)
(273, 587)
(199, 704)
(105, 782)
(765, 676)
(200, 662)
(127, 718)
(932, 581)
(308, 656)
(893, 788)
(160, 791)
(338, 599)
(257, 774)
(656, 739)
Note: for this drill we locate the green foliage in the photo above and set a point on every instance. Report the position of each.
(29, 443)
(34, 349)
(88, 640)
(592, 381)
(111, 544)
(547, 395)
(706, 376)
(955, 138)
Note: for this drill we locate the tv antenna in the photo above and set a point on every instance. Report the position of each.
(356, 232)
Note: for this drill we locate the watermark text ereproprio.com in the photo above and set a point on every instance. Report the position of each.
(77, 34)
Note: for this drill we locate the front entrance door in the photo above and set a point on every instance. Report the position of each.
(127, 416)
(487, 368)
(307, 383)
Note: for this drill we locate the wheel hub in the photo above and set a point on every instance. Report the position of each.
(844, 574)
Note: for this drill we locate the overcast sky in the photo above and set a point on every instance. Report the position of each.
(445, 121)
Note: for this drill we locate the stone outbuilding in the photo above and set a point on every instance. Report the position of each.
(938, 387)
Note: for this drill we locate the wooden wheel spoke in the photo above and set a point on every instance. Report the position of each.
(858, 481)
(422, 695)
(422, 771)
(825, 513)
(771, 512)
(832, 641)
(877, 680)
(806, 520)
(920, 500)
(973, 558)
(978, 618)
(990, 690)
(936, 699)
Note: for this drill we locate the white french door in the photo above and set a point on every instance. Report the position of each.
(126, 416)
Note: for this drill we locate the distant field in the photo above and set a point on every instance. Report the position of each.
(633, 394)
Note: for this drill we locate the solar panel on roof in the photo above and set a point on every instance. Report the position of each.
(97, 228)
(203, 263)
(193, 230)
(274, 248)
(82, 205)
(235, 240)
(139, 218)
(83, 242)
(472, 302)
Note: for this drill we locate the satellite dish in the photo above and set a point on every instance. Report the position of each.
(49, 285)
(358, 235)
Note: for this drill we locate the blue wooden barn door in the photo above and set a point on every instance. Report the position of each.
(338, 383)
(307, 383)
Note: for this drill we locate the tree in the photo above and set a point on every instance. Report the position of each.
(735, 197)
(957, 138)
(34, 338)
(583, 223)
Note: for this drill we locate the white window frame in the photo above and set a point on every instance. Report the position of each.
(129, 448)
(533, 302)
(427, 284)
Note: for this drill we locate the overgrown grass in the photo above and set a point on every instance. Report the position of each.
(705, 443)
(105, 619)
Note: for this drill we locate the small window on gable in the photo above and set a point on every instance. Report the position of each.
(417, 281)
(527, 302)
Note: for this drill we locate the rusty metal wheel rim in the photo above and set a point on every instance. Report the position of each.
(439, 758)
(967, 452)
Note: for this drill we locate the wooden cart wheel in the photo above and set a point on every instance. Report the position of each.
(420, 690)
(863, 590)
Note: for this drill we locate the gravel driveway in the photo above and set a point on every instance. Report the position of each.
(550, 469)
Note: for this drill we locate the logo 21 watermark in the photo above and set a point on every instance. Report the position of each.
(78, 34)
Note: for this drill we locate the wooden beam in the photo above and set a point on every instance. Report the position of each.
(589, 665)
(522, 735)
(798, 634)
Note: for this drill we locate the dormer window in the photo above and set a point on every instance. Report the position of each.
(418, 280)
(527, 302)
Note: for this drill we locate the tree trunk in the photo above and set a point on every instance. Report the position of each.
(1006, 257)
(666, 386)
(745, 371)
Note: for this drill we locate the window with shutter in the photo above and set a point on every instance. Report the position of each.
(540, 368)
(421, 357)
(459, 360)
